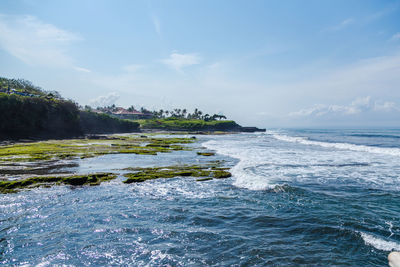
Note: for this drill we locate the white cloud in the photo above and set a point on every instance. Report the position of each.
(377, 77)
(358, 106)
(105, 100)
(387, 106)
(35, 42)
(82, 69)
(180, 61)
(395, 37)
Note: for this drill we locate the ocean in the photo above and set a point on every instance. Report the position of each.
(297, 197)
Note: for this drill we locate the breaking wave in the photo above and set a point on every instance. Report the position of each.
(342, 146)
(379, 243)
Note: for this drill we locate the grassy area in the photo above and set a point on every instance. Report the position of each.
(179, 124)
(39, 117)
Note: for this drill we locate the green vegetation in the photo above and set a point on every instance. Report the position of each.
(20, 86)
(75, 180)
(183, 114)
(144, 174)
(162, 114)
(220, 174)
(179, 124)
(93, 123)
(83, 148)
(25, 117)
(28, 112)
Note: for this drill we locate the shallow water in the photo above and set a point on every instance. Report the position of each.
(297, 197)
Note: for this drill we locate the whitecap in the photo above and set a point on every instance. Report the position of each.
(248, 158)
(379, 243)
(342, 146)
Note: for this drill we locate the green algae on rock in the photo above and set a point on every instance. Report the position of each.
(84, 148)
(75, 180)
(219, 174)
(207, 171)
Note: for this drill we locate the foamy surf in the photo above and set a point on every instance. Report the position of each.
(379, 243)
(247, 159)
(342, 146)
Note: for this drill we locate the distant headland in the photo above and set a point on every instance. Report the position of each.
(28, 111)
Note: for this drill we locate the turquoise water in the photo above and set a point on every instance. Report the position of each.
(296, 198)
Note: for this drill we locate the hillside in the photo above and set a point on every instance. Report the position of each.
(29, 112)
(21, 87)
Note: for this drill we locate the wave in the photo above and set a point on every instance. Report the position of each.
(248, 159)
(379, 243)
(342, 146)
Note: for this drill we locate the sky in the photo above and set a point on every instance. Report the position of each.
(291, 63)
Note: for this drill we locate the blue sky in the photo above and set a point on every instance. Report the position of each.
(267, 63)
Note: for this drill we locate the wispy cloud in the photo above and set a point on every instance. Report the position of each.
(82, 69)
(156, 24)
(387, 106)
(345, 23)
(35, 42)
(180, 61)
(384, 12)
(395, 37)
(105, 100)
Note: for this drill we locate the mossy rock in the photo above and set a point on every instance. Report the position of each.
(221, 174)
(204, 172)
(74, 180)
(84, 148)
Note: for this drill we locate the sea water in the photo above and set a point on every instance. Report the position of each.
(296, 198)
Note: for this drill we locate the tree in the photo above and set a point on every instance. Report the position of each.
(216, 116)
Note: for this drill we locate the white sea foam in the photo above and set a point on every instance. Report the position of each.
(248, 157)
(264, 162)
(379, 243)
(342, 146)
